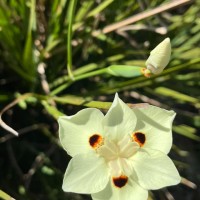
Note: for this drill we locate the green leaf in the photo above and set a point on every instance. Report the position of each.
(176, 95)
(186, 131)
(5, 196)
(99, 8)
(83, 10)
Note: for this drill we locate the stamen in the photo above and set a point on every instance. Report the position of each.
(120, 181)
(139, 137)
(95, 141)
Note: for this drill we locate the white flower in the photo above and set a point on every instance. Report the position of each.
(159, 57)
(119, 156)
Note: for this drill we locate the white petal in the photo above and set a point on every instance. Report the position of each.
(156, 124)
(131, 191)
(75, 131)
(155, 170)
(86, 173)
(119, 120)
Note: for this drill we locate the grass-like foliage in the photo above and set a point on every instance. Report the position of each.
(55, 59)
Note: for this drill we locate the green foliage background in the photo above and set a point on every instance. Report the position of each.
(50, 72)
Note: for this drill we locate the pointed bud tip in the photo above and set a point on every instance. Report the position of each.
(166, 42)
(167, 39)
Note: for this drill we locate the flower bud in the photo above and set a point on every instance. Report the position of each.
(159, 57)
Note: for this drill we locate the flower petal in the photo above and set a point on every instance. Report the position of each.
(156, 124)
(155, 170)
(76, 130)
(86, 173)
(119, 120)
(131, 191)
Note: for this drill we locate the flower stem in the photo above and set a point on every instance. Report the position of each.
(77, 78)
(90, 74)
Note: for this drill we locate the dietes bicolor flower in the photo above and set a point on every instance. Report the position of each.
(118, 156)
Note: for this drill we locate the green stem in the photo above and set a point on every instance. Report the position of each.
(90, 74)
(88, 102)
(80, 70)
(132, 84)
(60, 88)
(77, 78)
(72, 7)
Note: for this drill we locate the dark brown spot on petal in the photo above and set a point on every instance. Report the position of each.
(120, 181)
(95, 140)
(139, 137)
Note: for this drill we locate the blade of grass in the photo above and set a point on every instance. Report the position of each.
(5, 196)
(56, 13)
(176, 95)
(99, 8)
(71, 12)
(28, 63)
(186, 131)
(83, 10)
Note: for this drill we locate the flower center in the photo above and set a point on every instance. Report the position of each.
(117, 154)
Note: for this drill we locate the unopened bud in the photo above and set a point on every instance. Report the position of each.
(159, 57)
